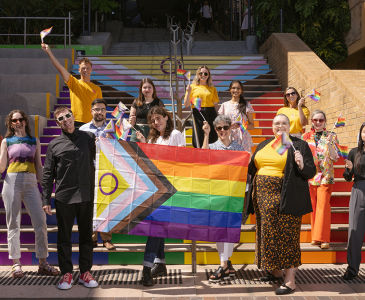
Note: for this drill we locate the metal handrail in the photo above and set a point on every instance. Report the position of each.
(43, 18)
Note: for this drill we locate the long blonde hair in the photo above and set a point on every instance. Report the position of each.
(196, 80)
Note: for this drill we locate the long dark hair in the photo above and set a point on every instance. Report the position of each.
(140, 100)
(10, 130)
(154, 134)
(242, 104)
(360, 146)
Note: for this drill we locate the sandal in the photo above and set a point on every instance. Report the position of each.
(17, 271)
(47, 269)
(232, 271)
(219, 274)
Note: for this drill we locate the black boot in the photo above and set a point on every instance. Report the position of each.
(159, 270)
(147, 279)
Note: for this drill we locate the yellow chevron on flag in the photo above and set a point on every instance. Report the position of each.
(111, 183)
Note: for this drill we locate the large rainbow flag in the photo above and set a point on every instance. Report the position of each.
(172, 192)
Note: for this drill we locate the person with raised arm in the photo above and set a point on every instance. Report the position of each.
(162, 133)
(295, 109)
(203, 89)
(23, 153)
(82, 92)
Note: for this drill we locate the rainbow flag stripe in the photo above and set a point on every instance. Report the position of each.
(314, 95)
(281, 144)
(243, 126)
(173, 192)
(45, 32)
(116, 113)
(340, 122)
(180, 74)
(110, 128)
(197, 102)
(343, 151)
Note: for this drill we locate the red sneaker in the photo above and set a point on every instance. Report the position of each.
(66, 282)
(88, 280)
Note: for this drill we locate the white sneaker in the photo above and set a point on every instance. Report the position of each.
(88, 280)
(66, 282)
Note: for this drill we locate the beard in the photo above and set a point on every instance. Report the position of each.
(98, 118)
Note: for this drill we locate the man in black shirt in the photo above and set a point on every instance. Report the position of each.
(69, 162)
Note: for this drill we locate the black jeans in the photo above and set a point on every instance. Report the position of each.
(66, 214)
(209, 114)
(207, 23)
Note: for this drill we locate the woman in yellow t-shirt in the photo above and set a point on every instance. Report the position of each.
(295, 109)
(202, 87)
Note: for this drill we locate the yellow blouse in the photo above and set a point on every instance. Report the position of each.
(208, 94)
(270, 163)
(293, 115)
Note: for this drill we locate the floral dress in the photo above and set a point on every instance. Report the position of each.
(324, 164)
(229, 108)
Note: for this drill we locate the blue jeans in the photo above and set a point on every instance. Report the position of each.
(154, 252)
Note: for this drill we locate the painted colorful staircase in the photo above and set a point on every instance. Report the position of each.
(119, 79)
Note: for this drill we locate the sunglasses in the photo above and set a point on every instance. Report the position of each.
(317, 120)
(203, 73)
(291, 94)
(16, 120)
(219, 128)
(64, 117)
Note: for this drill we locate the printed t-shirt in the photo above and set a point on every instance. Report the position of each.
(208, 94)
(293, 115)
(270, 163)
(82, 94)
(21, 153)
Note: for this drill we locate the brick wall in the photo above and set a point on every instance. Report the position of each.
(342, 91)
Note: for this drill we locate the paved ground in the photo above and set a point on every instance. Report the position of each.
(314, 282)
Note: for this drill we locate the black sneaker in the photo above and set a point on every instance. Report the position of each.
(219, 274)
(147, 279)
(348, 275)
(159, 270)
(232, 271)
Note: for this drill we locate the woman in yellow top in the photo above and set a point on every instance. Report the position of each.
(279, 197)
(294, 108)
(202, 87)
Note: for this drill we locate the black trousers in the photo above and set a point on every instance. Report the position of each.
(66, 214)
(207, 22)
(209, 114)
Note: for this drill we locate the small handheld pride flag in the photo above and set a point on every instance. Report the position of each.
(314, 95)
(343, 151)
(183, 75)
(45, 32)
(238, 119)
(197, 102)
(340, 122)
(110, 128)
(282, 144)
(243, 126)
(126, 125)
(119, 110)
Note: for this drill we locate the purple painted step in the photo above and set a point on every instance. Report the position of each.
(51, 123)
(63, 101)
(52, 131)
(44, 149)
(65, 88)
(63, 105)
(46, 139)
(25, 219)
(64, 94)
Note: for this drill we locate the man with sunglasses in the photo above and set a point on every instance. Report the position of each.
(70, 164)
(97, 126)
(82, 91)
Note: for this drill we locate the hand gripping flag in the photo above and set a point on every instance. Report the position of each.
(171, 192)
(45, 32)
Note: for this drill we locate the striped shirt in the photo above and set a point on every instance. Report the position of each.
(21, 153)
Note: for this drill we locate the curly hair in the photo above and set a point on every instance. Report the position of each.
(10, 131)
(86, 61)
(196, 80)
(140, 100)
(286, 102)
(154, 134)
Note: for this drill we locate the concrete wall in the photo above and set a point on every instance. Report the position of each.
(30, 103)
(342, 91)
(32, 83)
(34, 53)
(36, 123)
(31, 66)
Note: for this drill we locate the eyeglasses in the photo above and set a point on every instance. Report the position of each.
(280, 124)
(64, 117)
(291, 94)
(317, 120)
(99, 109)
(225, 127)
(203, 73)
(16, 120)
